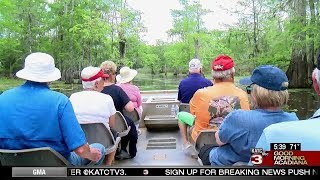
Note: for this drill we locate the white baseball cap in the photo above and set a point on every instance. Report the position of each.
(194, 64)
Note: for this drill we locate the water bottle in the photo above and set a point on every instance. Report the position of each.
(173, 110)
(177, 109)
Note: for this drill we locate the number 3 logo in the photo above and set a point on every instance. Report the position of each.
(256, 159)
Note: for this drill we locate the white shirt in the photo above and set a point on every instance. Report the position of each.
(92, 107)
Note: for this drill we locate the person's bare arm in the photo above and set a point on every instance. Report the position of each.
(85, 151)
(218, 139)
(112, 121)
(129, 106)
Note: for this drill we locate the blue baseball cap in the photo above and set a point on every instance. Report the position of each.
(268, 77)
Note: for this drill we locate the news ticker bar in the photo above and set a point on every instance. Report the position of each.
(164, 171)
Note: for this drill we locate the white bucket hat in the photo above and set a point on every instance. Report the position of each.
(39, 67)
(126, 75)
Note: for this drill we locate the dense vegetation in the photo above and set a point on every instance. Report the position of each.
(84, 32)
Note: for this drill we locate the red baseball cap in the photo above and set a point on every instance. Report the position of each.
(222, 63)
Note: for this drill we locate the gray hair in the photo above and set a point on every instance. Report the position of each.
(264, 98)
(195, 70)
(227, 74)
(89, 84)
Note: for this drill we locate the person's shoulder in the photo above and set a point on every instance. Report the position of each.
(289, 129)
(10, 91)
(184, 80)
(241, 91)
(106, 97)
(291, 116)
(75, 94)
(131, 86)
(205, 81)
(203, 91)
(58, 95)
(102, 97)
(116, 87)
(281, 127)
(238, 116)
(296, 123)
(240, 113)
(135, 87)
(112, 87)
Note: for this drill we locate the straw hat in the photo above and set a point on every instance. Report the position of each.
(126, 75)
(39, 67)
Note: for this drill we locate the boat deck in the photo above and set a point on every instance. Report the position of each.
(159, 148)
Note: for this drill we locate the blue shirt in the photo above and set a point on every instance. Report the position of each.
(305, 132)
(240, 131)
(189, 85)
(34, 116)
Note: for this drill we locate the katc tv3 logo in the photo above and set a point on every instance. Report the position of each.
(257, 156)
(256, 159)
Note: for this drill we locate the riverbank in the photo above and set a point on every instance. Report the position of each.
(145, 82)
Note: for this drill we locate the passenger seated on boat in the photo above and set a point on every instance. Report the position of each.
(189, 85)
(33, 116)
(203, 101)
(101, 108)
(121, 102)
(241, 129)
(305, 132)
(124, 80)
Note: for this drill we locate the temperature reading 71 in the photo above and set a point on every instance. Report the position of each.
(295, 146)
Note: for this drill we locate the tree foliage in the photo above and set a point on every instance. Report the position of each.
(81, 33)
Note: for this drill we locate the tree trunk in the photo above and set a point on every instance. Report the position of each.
(311, 52)
(316, 24)
(121, 33)
(30, 39)
(255, 29)
(196, 40)
(122, 48)
(152, 71)
(197, 47)
(298, 69)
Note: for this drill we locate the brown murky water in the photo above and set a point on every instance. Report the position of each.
(304, 102)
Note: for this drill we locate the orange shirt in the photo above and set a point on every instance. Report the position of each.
(199, 103)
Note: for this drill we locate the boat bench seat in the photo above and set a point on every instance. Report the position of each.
(208, 137)
(161, 122)
(121, 125)
(184, 107)
(134, 116)
(99, 133)
(205, 137)
(44, 156)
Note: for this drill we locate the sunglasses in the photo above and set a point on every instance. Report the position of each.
(249, 89)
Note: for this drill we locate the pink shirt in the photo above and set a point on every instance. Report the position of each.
(134, 95)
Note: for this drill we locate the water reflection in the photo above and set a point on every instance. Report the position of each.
(304, 102)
